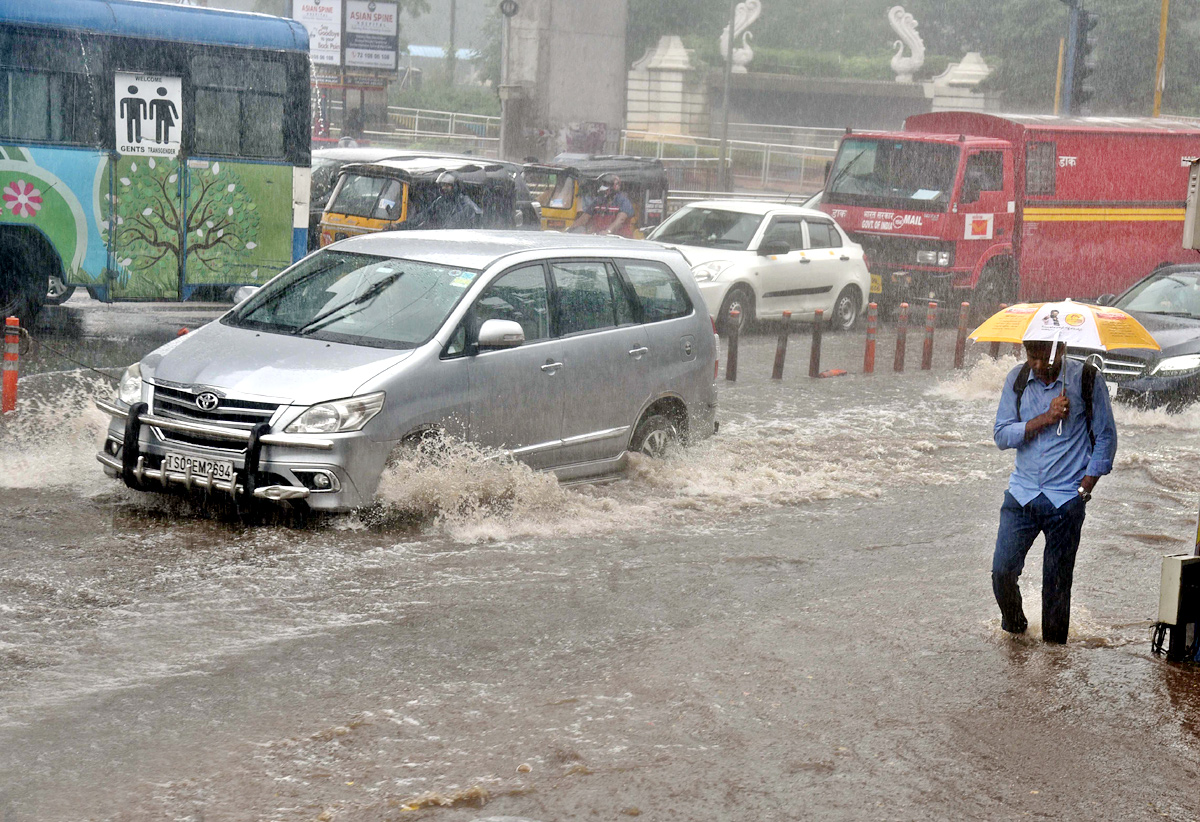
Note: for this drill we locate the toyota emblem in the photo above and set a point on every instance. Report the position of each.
(207, 401)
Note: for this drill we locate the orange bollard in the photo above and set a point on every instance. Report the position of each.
(960, 345)
(901, 337)
(731, 362)
(869, 354)
(814, 357)
(781, 347)
(12, 348)
(927, 351)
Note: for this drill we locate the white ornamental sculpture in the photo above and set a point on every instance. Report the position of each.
(745, 14)
(905, 26)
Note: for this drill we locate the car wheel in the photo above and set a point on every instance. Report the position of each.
(58, 291)
(740, 299)
(846, 310)
(655, 436)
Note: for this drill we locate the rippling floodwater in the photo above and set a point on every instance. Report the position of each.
(791, 620)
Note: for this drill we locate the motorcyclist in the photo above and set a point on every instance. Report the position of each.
(608, 212)
(452, 208)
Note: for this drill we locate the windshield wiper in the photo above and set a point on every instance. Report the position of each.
(275, 297)
(329, 315)
(837, 178)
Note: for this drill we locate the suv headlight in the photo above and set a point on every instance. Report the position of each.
(129, 389)
(711, 270)
(337, 416)
(1177, 365)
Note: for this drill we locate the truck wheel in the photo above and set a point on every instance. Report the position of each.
(996, 285)
(22, 292)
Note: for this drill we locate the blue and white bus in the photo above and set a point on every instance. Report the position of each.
(148, 151)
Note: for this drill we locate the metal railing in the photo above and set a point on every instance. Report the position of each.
(691, 162)
(425, 121)
(782, 168)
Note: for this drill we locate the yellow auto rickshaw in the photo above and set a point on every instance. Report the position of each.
(562, 186)
(397, 194)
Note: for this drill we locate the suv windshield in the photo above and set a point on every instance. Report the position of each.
(1176, 293)
(906, 174)
(708, 228)
(356, 298)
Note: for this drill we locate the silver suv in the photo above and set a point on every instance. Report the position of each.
(567, 350)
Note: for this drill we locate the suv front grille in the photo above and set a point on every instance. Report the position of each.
(1116, 368)
(181, 404)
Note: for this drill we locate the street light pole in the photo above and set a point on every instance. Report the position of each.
(1160, 73)
(722, 177)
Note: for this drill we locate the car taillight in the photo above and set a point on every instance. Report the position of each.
(716, 349)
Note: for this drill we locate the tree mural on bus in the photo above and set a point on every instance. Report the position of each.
(153, 228)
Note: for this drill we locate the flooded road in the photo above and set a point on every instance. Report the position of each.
(791, 620)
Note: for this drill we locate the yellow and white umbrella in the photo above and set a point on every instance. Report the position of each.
(1068, 323)
(1073, 324)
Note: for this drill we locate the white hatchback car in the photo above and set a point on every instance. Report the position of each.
(762, 259)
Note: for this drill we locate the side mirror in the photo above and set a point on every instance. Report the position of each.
(244, 293)
(500, 334)
(774, 248)
(1106, 299)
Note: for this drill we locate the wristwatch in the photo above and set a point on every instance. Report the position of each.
(1084, 494)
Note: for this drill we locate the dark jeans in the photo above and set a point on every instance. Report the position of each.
(1019, 527)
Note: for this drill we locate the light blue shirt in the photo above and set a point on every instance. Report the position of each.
(1051, 463)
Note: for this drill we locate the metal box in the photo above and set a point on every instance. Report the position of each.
(1191, 219)
(1179, 591)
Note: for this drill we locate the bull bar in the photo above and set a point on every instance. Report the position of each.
(133, 470)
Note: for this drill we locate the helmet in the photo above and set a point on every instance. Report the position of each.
(607, 181)
(447, 179)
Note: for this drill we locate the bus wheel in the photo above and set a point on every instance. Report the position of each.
(996, 285)
(21, 295)
(58, 292)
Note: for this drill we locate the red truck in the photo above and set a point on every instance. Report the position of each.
(965, 206)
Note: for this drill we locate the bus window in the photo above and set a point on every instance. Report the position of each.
(239, 106)
(44, 94)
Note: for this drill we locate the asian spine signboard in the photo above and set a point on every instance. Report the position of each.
(323, 19)
(372, 34)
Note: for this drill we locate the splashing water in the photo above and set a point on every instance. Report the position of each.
(53, 436)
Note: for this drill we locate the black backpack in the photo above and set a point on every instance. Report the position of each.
(1088, 386)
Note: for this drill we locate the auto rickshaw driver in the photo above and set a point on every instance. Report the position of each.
(609, 211)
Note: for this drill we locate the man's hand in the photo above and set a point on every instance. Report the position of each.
(1060, 408)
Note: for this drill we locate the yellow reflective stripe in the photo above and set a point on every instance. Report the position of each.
(1104, 214)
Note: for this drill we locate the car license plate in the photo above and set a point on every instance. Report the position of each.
(180, 463)
(876, 284)
(1112, 388)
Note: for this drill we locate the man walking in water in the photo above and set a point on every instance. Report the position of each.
(1056, 469)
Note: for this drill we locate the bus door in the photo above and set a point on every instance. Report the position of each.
(238, 183)
(147, 242)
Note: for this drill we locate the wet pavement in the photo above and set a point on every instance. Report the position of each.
(792, 620)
